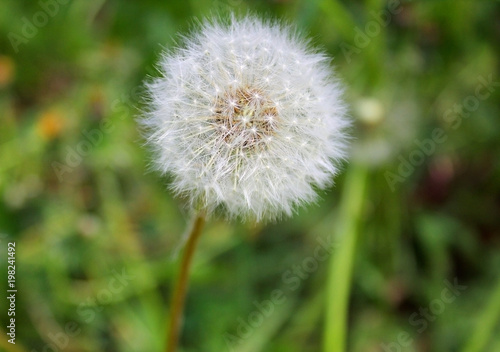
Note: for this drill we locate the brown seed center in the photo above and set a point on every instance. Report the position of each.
(245, 117)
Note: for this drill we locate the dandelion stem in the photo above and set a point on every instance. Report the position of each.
(179, 294)
(342, 262)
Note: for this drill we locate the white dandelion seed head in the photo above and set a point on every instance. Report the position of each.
(248, 118)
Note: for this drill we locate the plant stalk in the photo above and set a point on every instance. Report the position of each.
(342, 262)
(180, 289)
(485, 326)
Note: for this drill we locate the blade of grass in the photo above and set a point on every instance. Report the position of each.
(341, 263)
(486, 322)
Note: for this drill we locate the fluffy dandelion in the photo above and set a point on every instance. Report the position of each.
(246, 118)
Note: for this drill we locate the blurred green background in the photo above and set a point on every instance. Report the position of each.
(97, 233)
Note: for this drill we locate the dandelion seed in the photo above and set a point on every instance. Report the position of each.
(240, 144)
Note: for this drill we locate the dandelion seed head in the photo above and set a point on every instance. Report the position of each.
(247, 118)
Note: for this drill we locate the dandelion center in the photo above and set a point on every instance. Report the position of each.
(245, 116)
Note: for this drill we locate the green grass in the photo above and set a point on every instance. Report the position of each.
(78, 227)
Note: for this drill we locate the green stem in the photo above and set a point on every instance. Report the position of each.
(341, 263)
(485, 324)
(179, 294)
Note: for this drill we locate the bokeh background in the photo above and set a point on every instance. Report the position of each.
(97, 233)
